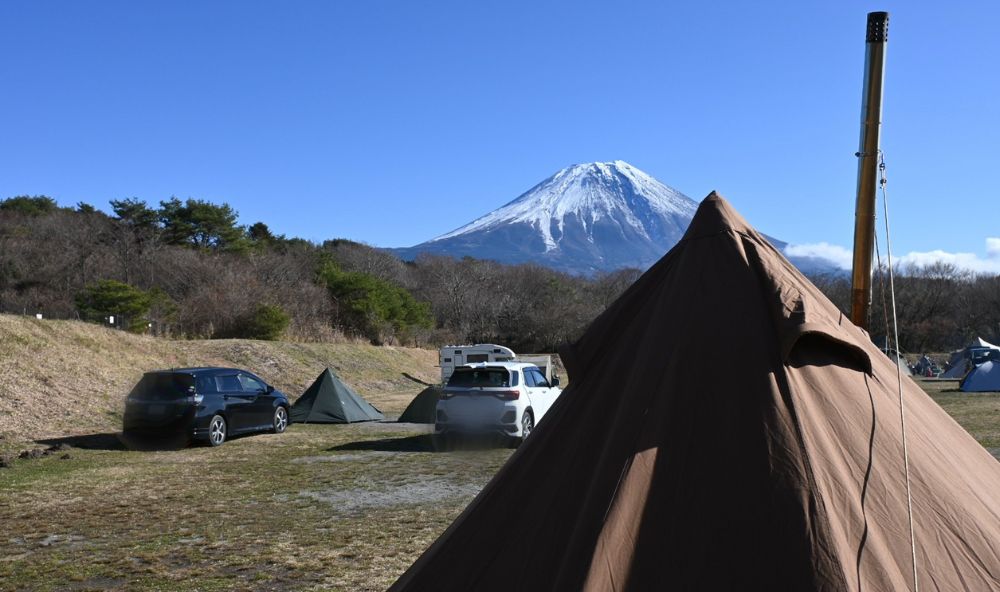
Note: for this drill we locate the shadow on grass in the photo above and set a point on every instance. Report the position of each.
(118, 441)
(415, 379)
(428, 443)
(104, 441)
(421, 443)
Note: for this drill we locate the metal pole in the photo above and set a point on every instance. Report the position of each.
(868, 153)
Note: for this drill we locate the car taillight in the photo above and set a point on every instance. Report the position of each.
(507, 395)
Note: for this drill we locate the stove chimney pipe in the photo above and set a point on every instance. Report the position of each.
(868, 161)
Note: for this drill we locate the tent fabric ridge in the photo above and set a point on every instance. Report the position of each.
(708, 234)
(863, 542)
(618, 484)
(821, 330)
(819, 521)
(792, 316)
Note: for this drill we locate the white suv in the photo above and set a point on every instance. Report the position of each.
(509, 398)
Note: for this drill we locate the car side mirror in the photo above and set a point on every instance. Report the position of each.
(555, 381)
(269, 389)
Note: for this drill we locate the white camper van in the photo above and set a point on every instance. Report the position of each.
(452, 356)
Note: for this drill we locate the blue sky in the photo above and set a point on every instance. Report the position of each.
(393, 122)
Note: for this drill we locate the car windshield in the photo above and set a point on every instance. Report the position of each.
(480, 377)
(163, 387)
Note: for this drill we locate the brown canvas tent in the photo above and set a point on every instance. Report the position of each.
(779, 467)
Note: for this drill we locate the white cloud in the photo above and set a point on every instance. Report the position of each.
(993, 247)
(967, 261)
(841, 257)
(835, 254)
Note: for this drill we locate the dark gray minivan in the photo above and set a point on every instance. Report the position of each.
(204, 404)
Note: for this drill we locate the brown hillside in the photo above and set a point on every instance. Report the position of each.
(60, 378)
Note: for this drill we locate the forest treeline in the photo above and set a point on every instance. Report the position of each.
(188, 268)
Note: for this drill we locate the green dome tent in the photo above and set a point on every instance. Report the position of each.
(329, 400)
(423, 407)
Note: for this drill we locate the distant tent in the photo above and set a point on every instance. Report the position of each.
(329, 400)
(980, 342)
(958, 365)
(984, 378)
(964, 360)
(423, 407)
(904, 368)
(661, 469)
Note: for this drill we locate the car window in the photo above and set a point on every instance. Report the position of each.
(513, 378)
(251, 384)
(228, 383)
(529, 379)
(163, 386)
(484, 377)
(205, 384)
(539, 377)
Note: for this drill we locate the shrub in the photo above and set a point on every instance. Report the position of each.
(29, 205)
(267, 322)
(372, 307)
(110, 297)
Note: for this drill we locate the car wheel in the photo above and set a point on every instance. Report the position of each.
(527, 425)
(280, 423)
(217, 430)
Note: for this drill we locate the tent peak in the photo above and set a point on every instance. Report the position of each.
(715, 215)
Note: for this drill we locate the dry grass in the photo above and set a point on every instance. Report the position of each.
(59, 378)
(979, 413)
(316, 508)
(319, 507)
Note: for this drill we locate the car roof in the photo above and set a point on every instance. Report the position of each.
(203, 370)
(504, 365)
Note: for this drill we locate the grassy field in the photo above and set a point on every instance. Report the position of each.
(979, 413)
(316, 508)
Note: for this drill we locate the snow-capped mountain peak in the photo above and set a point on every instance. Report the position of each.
(584, 195)
(586, 218)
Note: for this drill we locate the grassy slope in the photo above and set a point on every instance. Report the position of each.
(61, 378)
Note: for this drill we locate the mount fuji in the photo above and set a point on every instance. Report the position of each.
(586, 218)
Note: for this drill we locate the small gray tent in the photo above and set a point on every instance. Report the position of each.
(329, 400)
(423, 407)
